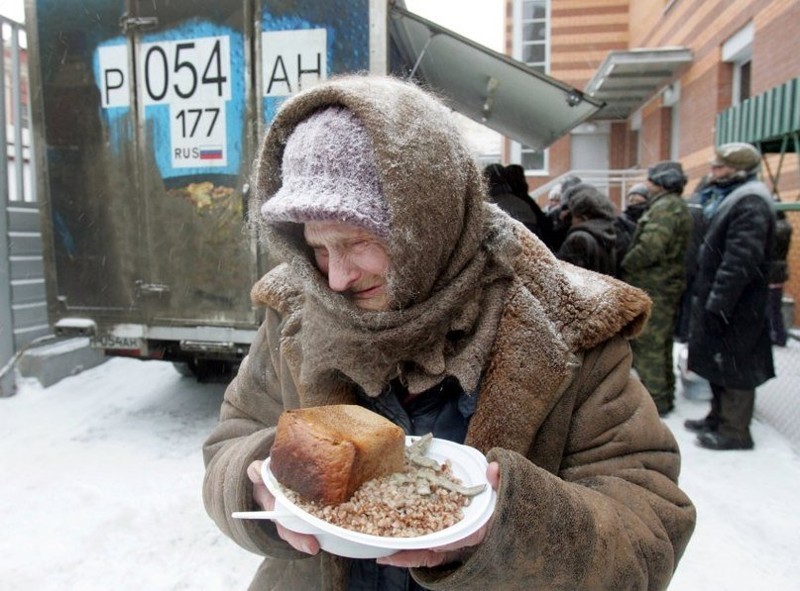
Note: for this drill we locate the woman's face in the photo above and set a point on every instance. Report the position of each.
(354, 262)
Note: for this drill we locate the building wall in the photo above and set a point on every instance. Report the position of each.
(644, 16)
(583, 32)
(778, 44)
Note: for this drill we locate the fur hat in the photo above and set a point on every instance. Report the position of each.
(330, 173)
(737, 155)
(567, 185)
(668, 175)
(587, 202)
(515, 175)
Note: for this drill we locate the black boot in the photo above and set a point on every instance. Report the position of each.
(717, 441)
(700, 425)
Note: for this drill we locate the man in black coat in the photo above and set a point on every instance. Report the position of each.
(729, 342)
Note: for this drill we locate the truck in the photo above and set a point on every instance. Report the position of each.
(147, 116)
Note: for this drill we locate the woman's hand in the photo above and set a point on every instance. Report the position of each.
(263, 498)
(454, 552)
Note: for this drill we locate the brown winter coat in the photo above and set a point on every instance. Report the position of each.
(588, 498)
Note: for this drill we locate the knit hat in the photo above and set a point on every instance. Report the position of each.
(668, 175)
(329, 172)
(638, 189)
(737, 155)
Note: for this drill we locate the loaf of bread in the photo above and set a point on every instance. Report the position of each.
(325, 453)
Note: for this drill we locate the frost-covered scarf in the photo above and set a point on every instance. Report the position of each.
(451, 253)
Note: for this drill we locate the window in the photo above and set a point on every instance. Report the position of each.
(532, 46)
(738, 51)
(532, 159)
(534, 34)
(741, 81)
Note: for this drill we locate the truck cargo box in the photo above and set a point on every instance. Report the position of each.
(147, 117)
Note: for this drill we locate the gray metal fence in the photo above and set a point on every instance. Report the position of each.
(778, 401)
(23, 307)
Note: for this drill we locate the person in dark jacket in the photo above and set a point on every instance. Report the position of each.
(591, 239)
(729, 342)
(778, 275)
(501, 193)
(636, 199)
(515, 175)
(655, 263)
(560, 216)
(699, 225)
(553, 199)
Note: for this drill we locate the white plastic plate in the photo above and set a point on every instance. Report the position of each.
(468, 464)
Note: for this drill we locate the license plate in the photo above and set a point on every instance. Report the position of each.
(114, 342)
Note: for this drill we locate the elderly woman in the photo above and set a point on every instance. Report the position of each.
(405, 291)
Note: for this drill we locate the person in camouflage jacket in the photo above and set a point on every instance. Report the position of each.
(655, 263)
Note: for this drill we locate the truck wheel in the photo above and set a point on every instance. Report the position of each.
(205, 370)
(183, 368)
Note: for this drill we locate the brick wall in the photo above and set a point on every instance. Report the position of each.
(777, 44)
(582, 34)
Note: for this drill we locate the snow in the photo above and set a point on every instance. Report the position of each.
(102, 475)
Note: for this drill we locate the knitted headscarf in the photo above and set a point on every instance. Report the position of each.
(330, 173)
(450, 252)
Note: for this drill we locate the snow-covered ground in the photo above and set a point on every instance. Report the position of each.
(101, 477)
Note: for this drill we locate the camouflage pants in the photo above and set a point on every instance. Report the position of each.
(652, 352)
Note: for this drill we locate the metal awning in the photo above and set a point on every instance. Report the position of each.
(770, 121)
(627, 79)
(488, 87)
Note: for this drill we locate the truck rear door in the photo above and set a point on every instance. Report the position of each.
(151, 114)
(194, 135)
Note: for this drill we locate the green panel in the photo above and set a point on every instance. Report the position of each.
(774, 103)
(758, 114)
(764, 119)
(794, 101)
(751, 109)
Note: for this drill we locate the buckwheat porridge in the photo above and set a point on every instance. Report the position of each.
(425, 498)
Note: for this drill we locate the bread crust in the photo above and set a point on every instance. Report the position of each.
(326, 453)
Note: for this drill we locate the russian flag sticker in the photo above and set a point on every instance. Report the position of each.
(210, 152)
